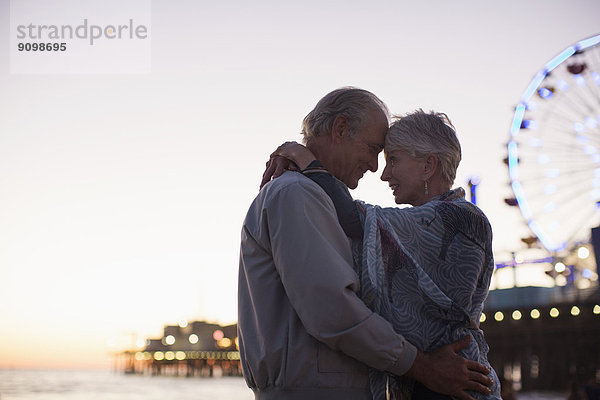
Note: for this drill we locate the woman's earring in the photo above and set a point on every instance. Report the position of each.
(426, 188)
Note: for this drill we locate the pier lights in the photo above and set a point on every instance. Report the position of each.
(143, 356)
(193, 338)
(560, 280)
(159, 355)
(183, 323)
(224, 343)
(180, 355)
(559, 267)
(169, 340)
(583, 253)
(536, 314)
(169, 355)
(218, 335)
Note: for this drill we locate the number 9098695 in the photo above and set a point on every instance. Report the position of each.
(42, 46)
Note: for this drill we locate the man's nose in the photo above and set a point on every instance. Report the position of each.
(373, 164)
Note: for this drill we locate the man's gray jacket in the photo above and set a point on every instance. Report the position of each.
(303, 332)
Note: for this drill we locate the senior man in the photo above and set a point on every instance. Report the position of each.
(303, 331)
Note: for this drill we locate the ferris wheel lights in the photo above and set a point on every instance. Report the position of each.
(513, 160)
(518, 118)
(531, 105)
(580, 80)
(529, 124)
(562, 85)
(531, 89)
(518, 191)
(542, 159)
(582, 139)
(579, 127)
(539, 232)
(535, 142)
(585, 43)
(546, 92)
(586, 273)
(550, 189)
(589, 150)
(548, 208)
(591, 122)
(556, 61)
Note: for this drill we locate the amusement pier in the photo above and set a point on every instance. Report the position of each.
(194, 349)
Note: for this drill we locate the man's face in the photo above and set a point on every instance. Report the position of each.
(357, 155)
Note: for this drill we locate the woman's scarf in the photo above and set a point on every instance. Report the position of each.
(398, 262)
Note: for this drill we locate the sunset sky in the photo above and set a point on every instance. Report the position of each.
(122, 195)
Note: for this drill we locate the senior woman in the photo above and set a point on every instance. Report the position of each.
(425, 268)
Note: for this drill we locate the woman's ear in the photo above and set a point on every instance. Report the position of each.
(432, 163)
(339, 129)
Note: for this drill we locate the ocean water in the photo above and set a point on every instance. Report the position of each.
(19, 384)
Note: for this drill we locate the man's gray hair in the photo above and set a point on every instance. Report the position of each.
(420, 134)
(350, 102)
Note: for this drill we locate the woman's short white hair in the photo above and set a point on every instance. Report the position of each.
(420, 134)
(353, 103)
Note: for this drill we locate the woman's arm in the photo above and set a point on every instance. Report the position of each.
(292, 155)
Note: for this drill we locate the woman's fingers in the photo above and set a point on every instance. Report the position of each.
(276, 166)
(268, 173)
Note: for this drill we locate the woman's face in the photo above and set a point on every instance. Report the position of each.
(405, 175)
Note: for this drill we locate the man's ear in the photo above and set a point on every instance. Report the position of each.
(432, 163)
(339, 129)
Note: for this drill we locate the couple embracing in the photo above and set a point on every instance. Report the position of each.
(339, 299)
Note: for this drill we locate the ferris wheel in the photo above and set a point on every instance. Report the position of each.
(554, 148)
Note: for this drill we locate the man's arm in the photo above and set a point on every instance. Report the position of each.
(446, 372)
(443, 371)
(314, 261)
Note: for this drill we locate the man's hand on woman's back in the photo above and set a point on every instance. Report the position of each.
(444, 371)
